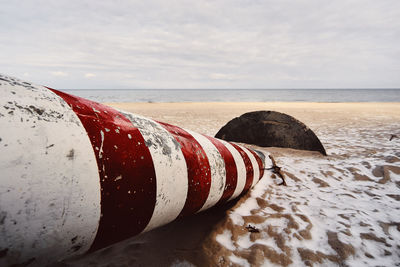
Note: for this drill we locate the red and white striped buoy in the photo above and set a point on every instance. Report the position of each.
(77, 176)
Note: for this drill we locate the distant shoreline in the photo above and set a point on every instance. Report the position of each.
(252, 102)
(209, 117)
(245, 95)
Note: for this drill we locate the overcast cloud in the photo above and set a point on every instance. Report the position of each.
(202, 44)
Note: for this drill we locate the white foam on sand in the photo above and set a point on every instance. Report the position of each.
(335, 210)
(226, 240)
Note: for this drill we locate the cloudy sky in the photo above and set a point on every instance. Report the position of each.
(202, 44)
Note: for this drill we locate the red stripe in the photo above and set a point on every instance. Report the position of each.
(230, 169)
(249, 167)
(199, 173)
(260, 163)
(127, 176)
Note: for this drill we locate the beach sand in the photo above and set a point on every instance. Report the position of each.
(342, 209)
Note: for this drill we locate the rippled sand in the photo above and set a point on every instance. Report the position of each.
(342, 209)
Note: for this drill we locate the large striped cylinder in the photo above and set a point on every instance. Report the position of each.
(77, 176)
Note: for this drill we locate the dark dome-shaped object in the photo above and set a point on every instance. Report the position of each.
(270, 129)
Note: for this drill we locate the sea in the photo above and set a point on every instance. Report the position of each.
(238, 95)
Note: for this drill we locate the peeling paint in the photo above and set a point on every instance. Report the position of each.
(101, 144)
(216, 169)
(37, 171)
(118, 222)
(170, 168)
(71, 154)
(198, 176)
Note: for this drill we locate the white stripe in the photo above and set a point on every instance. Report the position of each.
(254, 163)
(241, 169)
(49, 182)
(217, 169)
(170, 168)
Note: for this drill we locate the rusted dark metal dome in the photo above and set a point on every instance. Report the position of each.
(270, 129)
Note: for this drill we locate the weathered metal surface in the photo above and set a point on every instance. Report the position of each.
(127, 175)
(77, 176)
(270, 129)
(198, 168)
(49, 179)
(170, 168)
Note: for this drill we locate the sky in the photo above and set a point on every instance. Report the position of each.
(70, 44)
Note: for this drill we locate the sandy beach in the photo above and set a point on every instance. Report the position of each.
(341, 210)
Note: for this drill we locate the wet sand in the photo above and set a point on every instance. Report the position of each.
(342, 209)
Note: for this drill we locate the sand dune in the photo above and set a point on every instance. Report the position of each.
(337, 210)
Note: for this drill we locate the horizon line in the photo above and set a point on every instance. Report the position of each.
(122, 89)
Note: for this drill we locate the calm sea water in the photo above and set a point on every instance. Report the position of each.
(240, 95)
